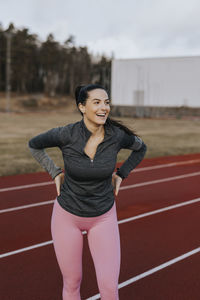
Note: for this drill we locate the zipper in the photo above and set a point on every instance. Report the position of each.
(92, 160)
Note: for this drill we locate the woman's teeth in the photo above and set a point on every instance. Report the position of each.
(101, 115)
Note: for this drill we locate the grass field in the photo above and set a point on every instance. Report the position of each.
(163, 137)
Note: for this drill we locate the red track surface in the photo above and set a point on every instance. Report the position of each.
(146, 242)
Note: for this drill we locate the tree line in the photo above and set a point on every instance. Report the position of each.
(49, 67)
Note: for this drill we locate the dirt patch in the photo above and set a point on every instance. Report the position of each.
(36, 103)
(163, 137)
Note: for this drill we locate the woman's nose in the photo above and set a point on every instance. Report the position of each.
(104, 106)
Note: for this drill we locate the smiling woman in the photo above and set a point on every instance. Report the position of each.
(85, 192)
(96, 94)
(95, 110)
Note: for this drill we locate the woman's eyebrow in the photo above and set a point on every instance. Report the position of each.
(99, 99)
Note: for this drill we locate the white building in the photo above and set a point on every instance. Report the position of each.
(161, 82)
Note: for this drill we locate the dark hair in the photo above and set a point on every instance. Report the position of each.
(81, 95)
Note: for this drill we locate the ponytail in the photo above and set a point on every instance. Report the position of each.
(119, 124)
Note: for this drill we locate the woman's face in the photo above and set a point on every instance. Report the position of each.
(97, 104)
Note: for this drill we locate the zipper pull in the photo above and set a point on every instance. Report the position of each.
(91, 160)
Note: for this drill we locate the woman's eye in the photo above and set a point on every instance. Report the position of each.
(96, 102)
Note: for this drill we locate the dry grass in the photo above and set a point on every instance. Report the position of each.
(163, 137)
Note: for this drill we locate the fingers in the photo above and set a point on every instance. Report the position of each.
(59, 179)
(58, 188)
(117, 189)
(118, 181)
(62, 176)
(113, 182)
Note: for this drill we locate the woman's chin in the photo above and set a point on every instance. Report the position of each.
(101, 121)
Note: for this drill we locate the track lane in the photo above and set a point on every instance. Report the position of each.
(31, 275)
(27, 196)
(151, 197)
(47, 192)
(176, 282)
(129, 203)
(153, 241)
(133, 218)
(17, 180)
(145, 244)
(28, 201)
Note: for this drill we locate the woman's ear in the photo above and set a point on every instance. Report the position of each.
(81, 107)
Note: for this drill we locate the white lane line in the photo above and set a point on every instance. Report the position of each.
(135, 170)
(174, 164)
(27, 186)
(121, 188)
(119, 222)
(26, 249)
(25, 206)
(159, 180)
(157, 211)
(151, 271)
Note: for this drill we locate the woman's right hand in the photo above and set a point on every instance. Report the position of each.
(59, 179)
(116, 181)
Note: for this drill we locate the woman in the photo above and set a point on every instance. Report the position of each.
(85, 200)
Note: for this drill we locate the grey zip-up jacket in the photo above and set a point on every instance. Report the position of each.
(87, 190)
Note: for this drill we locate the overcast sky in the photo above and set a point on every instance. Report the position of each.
(127, 28)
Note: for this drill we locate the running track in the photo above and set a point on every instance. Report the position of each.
(158, 209)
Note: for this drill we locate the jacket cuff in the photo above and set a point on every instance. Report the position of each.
(57, 171)
(120, 174)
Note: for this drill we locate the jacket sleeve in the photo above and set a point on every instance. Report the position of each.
(50, 138)
(138, 148)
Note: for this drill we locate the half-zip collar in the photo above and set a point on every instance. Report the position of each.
(88, 133)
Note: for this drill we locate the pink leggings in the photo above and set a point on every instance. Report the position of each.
(104, 243)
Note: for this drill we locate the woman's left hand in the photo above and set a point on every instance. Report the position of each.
(116, 181)
(59, 179)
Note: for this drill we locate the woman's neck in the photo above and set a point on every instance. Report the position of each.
(97, 130)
